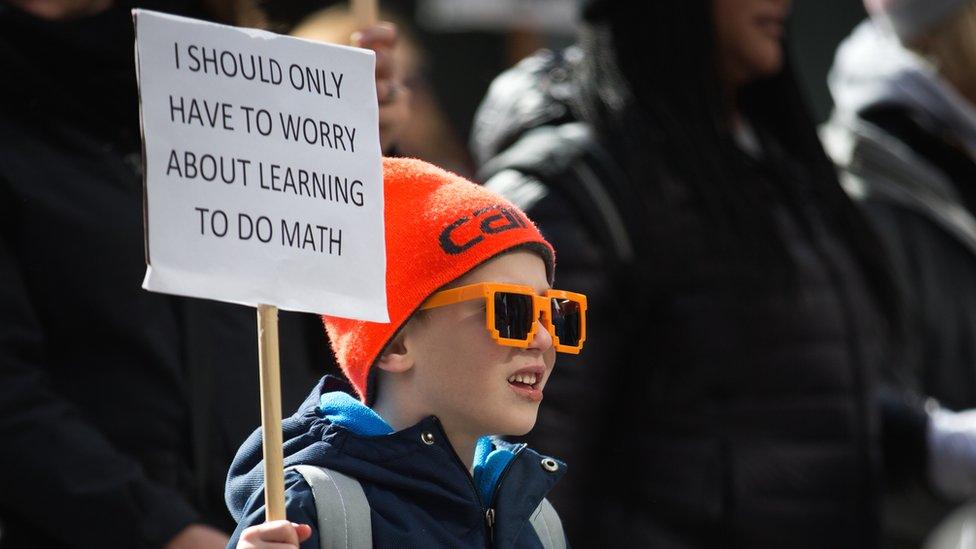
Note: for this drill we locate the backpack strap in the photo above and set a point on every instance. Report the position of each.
(548, 527)
(341, 506)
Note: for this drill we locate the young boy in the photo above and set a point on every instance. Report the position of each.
(473, 332)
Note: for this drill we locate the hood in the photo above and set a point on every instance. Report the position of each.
(872, 68)
(535, 92)
(333, 429)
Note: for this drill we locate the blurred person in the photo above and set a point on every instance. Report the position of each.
(745, 313)
(427, 133)
(470, 346)
(120, 409)
(904, 132)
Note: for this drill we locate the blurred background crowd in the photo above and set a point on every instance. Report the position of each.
(769, 203)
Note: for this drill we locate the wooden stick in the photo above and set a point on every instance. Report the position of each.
(365, 12)
(274, 470)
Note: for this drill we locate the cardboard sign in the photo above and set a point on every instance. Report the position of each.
(262, 168)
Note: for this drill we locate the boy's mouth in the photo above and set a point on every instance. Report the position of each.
(524, 379)
(527, 383)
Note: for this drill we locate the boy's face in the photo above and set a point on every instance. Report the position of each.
(463, 375)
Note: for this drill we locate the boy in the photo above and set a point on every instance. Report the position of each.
(473, 332)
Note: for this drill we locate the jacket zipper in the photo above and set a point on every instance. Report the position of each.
(490, 522)
(489, 512)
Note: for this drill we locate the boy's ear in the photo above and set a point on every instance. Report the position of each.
(395, 358)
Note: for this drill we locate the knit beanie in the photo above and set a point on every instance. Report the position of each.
(910, 18)
(439, 226)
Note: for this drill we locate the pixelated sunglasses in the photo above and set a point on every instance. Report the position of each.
(512, 310)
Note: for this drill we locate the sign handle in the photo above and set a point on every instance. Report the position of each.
(274, 470)
(365, 12)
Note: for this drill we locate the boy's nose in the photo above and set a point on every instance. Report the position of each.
(542, 340)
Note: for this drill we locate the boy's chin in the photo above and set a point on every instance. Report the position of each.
(517, 426)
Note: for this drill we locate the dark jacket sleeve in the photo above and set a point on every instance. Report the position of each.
(936, 272)
(58, 473)
(902, 392)
(299, 508)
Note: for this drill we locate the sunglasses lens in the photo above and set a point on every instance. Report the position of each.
(513, 315)
(567, 320)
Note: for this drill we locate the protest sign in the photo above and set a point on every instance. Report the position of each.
(263, 173)
(263, 182)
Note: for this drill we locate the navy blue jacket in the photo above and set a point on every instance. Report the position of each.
(420, 495)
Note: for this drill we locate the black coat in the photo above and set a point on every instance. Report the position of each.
(705, 411)
(120, 409)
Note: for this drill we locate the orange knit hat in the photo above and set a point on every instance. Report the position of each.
(439, 226)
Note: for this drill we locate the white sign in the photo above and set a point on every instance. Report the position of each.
(263, 171)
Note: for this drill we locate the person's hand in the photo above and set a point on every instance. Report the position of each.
(278, 534)
(392, 95)
(199, 536)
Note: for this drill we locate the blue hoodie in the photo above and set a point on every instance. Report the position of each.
(420, 495)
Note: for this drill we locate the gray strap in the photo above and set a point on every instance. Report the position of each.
(548, 527)
(342, 509)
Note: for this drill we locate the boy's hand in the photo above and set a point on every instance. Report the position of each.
(278, 534)
(392, 95)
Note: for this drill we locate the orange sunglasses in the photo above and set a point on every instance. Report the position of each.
(512, 311)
